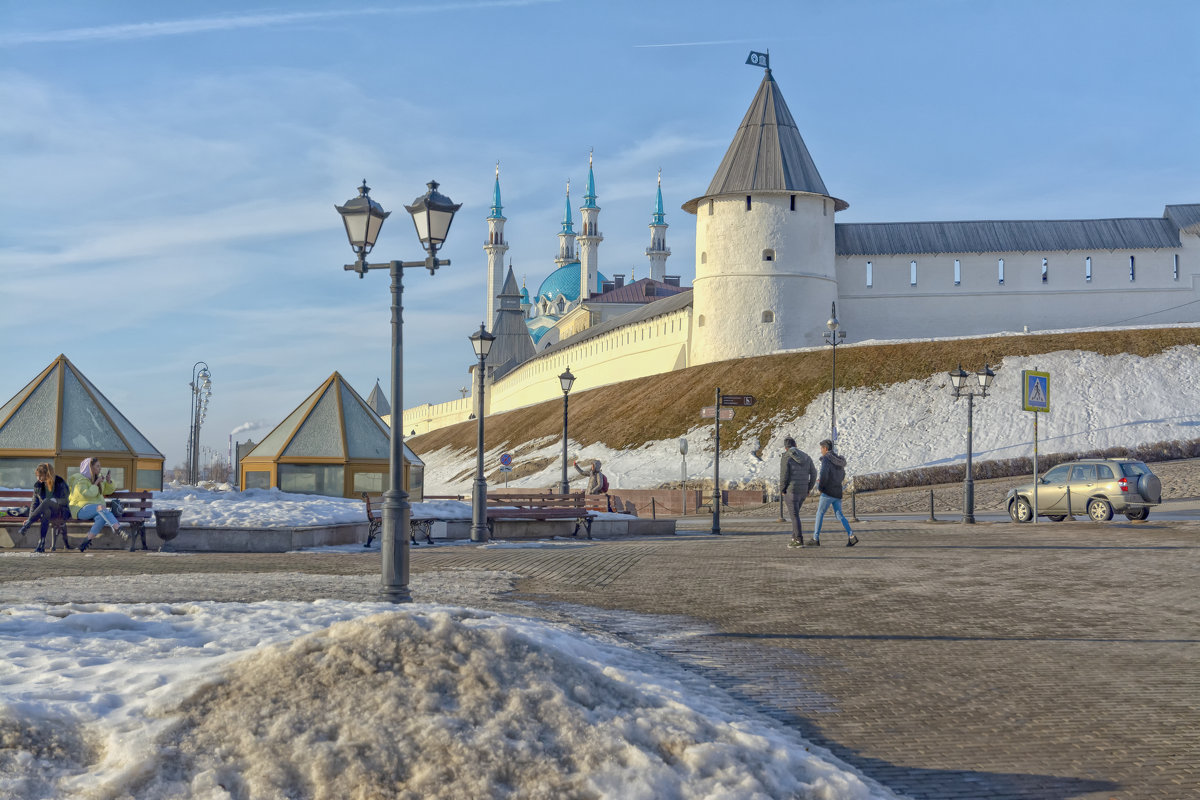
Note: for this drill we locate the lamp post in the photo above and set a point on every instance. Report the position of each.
(481, 340)
(964, 388)
(201, 387)
(565, 380)
(432, 214)
(833, 337)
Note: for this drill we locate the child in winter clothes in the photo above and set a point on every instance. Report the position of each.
(87, 500)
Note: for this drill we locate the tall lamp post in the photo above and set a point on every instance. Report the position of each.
(432, 214)
(201, 386)
(481, 340)
(565, 380)
(833, 337)
(964, 388)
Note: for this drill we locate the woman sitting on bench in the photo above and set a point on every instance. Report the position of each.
(87, 499)
(48, 504)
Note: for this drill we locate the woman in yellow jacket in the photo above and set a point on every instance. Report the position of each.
(87, 500)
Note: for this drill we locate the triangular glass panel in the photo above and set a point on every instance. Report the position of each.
(138, 443)
(31, 427)
(83, 425)
(366, 436)
(276, 439)
(320, 435)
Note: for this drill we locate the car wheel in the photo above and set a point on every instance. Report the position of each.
(1099, 510)
(1020, 510)
(1138, 514)
(1057, 517)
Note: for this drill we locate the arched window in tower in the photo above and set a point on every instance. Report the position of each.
(710, 207)
(700, 322)
(768, 316)
(1132, 269)
(870, 274)
(793, 202)
(912, 273)
(747, 202)
(1175, 267)
(704, 258)
(1087, 270)
(1045, 271)
(768, 254)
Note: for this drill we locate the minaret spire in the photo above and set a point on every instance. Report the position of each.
(495, 247)
(566, 237)
(589, 240)
(658, 251)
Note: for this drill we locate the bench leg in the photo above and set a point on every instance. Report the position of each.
(59, 529)
(491, 525)
(587, 523)
(139, 529)
(373, 527)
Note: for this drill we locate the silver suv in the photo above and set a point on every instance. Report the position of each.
(1095, 486)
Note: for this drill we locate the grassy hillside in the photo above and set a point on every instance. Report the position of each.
(664, 406)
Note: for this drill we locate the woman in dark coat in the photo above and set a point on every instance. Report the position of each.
(50, 494)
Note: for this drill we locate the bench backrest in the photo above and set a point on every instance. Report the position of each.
(138, 504)
(537, 500)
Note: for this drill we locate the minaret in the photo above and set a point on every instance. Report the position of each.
(495, 247)
(589, 240)
(566, 237)
(658, 251)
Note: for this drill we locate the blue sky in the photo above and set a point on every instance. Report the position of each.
(169, 171)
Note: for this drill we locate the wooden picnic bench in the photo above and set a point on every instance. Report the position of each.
(423, 526)
(138, 509)
(539, 506)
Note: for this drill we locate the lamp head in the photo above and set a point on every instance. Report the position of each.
(985, 377)
(958, 378)
(566, 380)
(481, 340)
(432, 214)
(363, 218)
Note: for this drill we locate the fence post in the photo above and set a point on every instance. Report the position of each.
(653, 509)
(1070, 513)
(854, 506)
(932, 518)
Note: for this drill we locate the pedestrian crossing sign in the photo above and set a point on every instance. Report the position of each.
(1035, 390)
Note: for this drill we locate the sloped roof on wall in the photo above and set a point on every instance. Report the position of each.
(61, 410)
(659, 307)
(1002, 236)
(333, 422)
(1185, 217)
(767, 153)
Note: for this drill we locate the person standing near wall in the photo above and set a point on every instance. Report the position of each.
(797, 476)
(829, 483)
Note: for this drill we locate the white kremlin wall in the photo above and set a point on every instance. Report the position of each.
(893, 308)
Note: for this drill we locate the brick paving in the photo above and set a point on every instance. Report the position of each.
(944, 661)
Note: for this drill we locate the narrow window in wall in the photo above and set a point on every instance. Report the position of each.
(957, 272)
(1087, 269)
(824, 208)
(1132, 269)
(704, 258)
(793, 202)
(1045, 271)
(747, 202)
(1175, 267)
(1001, 272)
(912, 273)
(870, 275)
(768, 316)
(710, 207)
(768, 255)
(700, 322)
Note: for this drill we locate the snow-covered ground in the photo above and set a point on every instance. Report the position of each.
(1095, 402)
(331, 698)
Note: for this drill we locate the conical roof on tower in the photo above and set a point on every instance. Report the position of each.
(589, 198)
(378, 401)
(497, 208)
(567, 225)
(513, 345)
(660, 216)
(767, 153)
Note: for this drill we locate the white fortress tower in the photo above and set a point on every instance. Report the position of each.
(658, 251)
(495, 247)
(765, 246)
(589, 239)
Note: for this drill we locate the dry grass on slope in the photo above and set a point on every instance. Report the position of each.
(664, 406)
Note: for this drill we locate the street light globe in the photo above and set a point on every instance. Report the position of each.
(481, 340)
(432, 214)
(566, 380)
(833, 323)
(363, 218)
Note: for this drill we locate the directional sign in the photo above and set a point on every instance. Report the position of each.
(506, 459)
(737, 399)
(1035, 390)
(708, 412)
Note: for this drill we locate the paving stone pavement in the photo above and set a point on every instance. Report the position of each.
(942, 660)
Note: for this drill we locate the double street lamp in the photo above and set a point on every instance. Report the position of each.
(963, 387)
(432, 214)
(201, 386)
(565, 380)
(481, 340)
(833, 337)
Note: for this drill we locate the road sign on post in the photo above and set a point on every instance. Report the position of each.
(506, 459)
(710, 412)
(1035, 391)
(737, 400)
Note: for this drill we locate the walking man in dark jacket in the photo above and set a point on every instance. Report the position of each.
(833, 473)
(797, 476)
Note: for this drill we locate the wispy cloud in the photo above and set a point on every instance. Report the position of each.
(227, 22)
(702, 44)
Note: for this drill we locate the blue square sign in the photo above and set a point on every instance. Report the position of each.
(1035, 390)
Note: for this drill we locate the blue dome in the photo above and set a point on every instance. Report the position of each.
(565, 281)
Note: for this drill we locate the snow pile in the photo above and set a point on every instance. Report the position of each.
(1095, 402)
(351, 700)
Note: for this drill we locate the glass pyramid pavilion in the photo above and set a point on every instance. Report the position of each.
(62, 418)
(333, 444)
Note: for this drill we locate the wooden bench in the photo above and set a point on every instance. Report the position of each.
(423, 526)
(539, 506)
(138, 509)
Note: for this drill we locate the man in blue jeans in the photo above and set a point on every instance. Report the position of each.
(829, 482)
